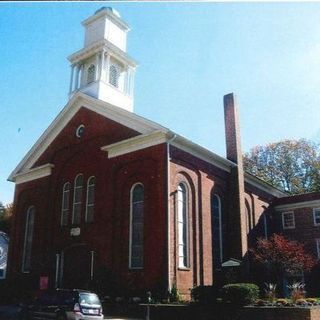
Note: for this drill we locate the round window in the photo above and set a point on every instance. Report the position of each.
(80, 131)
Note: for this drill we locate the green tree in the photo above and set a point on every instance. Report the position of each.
(290, 165)
(6, 217)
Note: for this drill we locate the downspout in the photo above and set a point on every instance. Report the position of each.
(168, 208)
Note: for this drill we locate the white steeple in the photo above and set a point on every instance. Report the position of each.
(102, 69)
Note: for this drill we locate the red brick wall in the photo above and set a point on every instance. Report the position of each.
(278, 313)
(305, 231)
(204, 179)
(108, 235)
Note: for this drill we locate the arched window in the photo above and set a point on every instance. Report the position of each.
(182, 207)
(90, 199)
(91, 73)
(216, 226)
(28, 237)
(77, 199)
(65, 207)
(136, 227)
(114, 74)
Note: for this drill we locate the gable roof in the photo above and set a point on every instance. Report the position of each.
(145, 127)
(79, 100)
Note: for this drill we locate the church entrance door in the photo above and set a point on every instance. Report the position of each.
(76, 267)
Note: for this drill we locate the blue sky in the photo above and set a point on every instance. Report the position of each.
(190, 55)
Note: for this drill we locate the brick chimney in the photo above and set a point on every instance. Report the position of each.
(237, 235)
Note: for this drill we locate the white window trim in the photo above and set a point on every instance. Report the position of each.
(74, 197)
(87, 198)
(23, 267)
(294, 222)
(318, 248)
(314, 216)
(187, 266)
(63, 199)
(130, 227)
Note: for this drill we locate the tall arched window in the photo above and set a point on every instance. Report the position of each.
(65, 207)
(91, 73)
(28, 237)
(136, 227)
(114, 74)
(216, 226)
(90, 199)
(248, 217)
(77, 199)
(182, 207)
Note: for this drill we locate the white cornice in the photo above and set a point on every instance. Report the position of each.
(135, 143)
(298, 205)
(79, 100)
(151, 134)
(98, 46)
(202, 153)
(164, 136)
(158, 137)
(33, 174)
(108, 13)
(262, 185)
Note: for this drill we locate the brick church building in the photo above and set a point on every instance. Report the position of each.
(106, 189)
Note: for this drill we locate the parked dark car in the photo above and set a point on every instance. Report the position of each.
(64, 304)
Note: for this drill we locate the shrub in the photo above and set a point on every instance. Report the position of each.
(270, 292)
(297, 291)
(312, 300)
(174, 295)
(301, 302)
(204, 294)
(240, 293)
(261, 303)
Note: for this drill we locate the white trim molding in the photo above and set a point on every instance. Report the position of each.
(135, 144)
(99, 46)
(298, 205)
(111, 14)
(149, 134)
(293, 220)
(264, 186)
(33, 174)
(126, 118)
(316, 210)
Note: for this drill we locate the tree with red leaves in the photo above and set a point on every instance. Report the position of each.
(282, 257)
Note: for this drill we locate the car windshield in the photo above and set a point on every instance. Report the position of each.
(88, 298)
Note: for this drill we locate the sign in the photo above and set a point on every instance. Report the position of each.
(231, 263)
(74, 232)
(44, 281)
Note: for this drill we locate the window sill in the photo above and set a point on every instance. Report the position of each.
(184, 268)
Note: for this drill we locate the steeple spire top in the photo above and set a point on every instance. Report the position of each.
(102, 69)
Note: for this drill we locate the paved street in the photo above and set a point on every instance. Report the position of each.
(10, 313)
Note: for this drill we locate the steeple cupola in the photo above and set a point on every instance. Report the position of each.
(103, 69)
